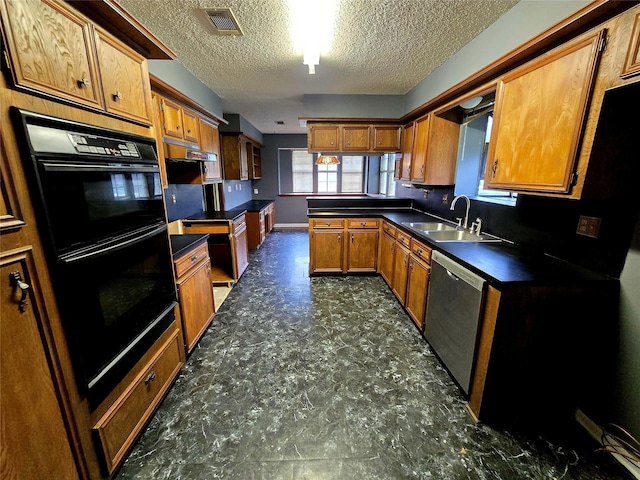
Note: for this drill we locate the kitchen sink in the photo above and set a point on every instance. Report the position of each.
(429, 226)
(459, 236)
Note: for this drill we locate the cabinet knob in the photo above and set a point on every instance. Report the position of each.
(364, 224)
(339, 236)
(84, 83)
(194, 258)
(117, 97)
(494, 169)
(352, 238)
(150, 378)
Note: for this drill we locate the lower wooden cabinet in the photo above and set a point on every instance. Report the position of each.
(400, 272)
(340, 245)
(418, 282)
(387, 248)
(117, 428)
(35, 443)
(240, 247)
(195, 293)
(258, 225)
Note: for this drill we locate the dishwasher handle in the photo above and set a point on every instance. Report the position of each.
(457, 271)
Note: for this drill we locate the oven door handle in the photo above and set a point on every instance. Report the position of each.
(71, 167)
(112, 248)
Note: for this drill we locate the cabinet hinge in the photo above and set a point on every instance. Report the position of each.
(162, 106)
(574, 178)
(603, 43)
(5, 56)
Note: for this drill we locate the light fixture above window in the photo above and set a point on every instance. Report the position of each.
(311, 23)
(327, 160)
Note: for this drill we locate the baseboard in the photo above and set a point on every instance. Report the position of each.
(597, 433)
(291, 225)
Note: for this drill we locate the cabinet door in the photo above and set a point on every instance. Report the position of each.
(632, 61)
(355, 138)
(327, 251)
(420, 143)
(34, 437)
(191, 132)
(125, 79)
(210, 143)
(400, 271)
(51, 50)
(241, 250)
(386, 138)
(246, 152)
(387, 247)
(196, 303)
(171, 114)
(255, 170)
(362, 254)
(323, 138)
(417, 285)
(407, 151)
(539, 118)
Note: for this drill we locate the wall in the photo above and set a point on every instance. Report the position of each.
(353, 106)
(237, 123)
(524, 21)
(173, 73)
(289, 209)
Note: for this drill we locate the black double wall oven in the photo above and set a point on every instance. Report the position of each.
(101, 214)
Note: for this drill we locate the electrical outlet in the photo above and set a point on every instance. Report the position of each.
(229, 188)
(425, 193)
(445, 198)
(589, 226)
(255, 191)
(239, 186)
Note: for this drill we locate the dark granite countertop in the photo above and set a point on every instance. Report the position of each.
(499, 263)
(224, 216)
(181, 243)
(255, 205)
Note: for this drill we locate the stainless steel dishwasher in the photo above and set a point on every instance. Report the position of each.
(453, 313)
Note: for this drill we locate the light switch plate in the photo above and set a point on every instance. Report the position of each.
(589, 226)
(255, 191)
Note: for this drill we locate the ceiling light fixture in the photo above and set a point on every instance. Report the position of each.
(306, 19)
(327, 160)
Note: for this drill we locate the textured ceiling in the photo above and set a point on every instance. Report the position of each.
(380, 47)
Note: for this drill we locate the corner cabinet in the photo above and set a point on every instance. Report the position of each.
(545, 99)
(56, 51)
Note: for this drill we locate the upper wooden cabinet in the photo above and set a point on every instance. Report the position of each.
(407, 152)
(356, 138)
(539, 116)
(56, 51)
(435, 149)
(125, 78)
(632, 60)
(351, 137)
(210, 143)
(177, 122)
(238, 157)
(323, 138)
(386, 138)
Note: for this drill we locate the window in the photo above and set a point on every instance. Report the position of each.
(327, 178)
(387, 184)
(352, 170)
(302, 171)
(298, 173)
(472, 161)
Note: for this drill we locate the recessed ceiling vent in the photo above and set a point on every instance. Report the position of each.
(223, 21)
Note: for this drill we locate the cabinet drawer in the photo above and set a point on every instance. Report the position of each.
(389, 228)
(335, 223)
(403, 238)
(421, 251)
(205, 227)
(190, 259)
(239, 224)
(119, 426)
(364, 223)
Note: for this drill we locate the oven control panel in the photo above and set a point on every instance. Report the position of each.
(103, 146)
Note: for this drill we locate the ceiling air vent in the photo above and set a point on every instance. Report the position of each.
(223, 21)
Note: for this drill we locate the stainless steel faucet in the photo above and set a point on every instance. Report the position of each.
(466, 215)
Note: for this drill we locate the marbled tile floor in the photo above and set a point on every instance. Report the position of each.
(327, 378)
